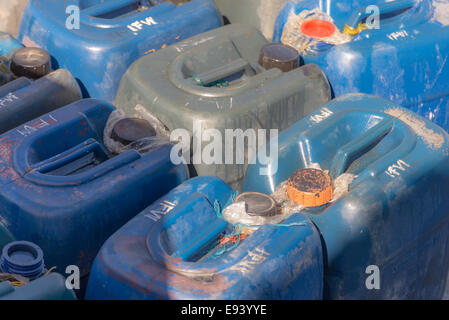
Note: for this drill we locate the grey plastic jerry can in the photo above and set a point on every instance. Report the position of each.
(225, 79)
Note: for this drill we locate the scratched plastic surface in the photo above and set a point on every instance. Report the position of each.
(395, 215)
(259, 13)
(8, 45)
(61, 189)
(50, 287)
(403, 61)
(22, 100)
(112, 34)
(162, 254)
(231, 90)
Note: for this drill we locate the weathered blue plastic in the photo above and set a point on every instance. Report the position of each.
(8, 45)
(112, 34)
(403, 61)
(50, 287)
(61, 189)
(5, 235)
(23, 258)
(22, 100)
(396, 213)
(162, 254)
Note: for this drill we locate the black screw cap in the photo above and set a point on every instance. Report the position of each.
(276, 55)
(32, 63)
(128, 130)
(257, 204)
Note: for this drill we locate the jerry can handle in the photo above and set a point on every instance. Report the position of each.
(393, 157)
(38, 176)
(194, 242)
(348, 152)
(178, 261)
(177, 77)
(90, 16)
(67, 156)
(344, 155)
(201, 240)
(390, 7)
(222, 72)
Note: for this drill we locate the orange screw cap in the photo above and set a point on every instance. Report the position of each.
(310, 187)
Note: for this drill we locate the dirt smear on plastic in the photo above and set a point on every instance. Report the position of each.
(431, 138)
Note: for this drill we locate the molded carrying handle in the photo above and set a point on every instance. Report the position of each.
(177, 75)
(205, 237)
(223, 71)
(184, 242)
(91, 15)
(38, 173)
(347, 153)
(194, 231)
(342, 159)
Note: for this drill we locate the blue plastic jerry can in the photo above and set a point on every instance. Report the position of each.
(384, 223)
(24, 276)
(23, 99)
(175, 244)
(49, 287)
(393, 49)
(98, 40)
(62, 188)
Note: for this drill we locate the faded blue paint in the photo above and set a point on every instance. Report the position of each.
(161, 254)
(61, 189)
(104, 46)
(50, 287)
(396, 213)
(22, 100)
(404, 61)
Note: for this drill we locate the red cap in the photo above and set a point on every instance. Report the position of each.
(316, 28)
